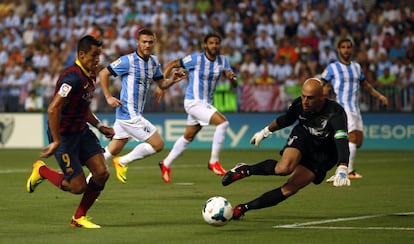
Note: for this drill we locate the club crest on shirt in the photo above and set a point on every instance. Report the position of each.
(64, 90)
(116, 62)
(187, 59)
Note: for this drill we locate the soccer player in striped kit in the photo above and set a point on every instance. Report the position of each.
(346, 77)
(137, 71)
(205, 70)
(71, 141)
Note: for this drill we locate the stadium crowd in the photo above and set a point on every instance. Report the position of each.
(272, 43)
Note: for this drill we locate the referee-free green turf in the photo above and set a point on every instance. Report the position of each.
(376, 209)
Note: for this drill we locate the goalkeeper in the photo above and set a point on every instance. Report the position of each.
(317, 143)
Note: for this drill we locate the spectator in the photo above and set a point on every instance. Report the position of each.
(291, 28)
(396, 50)
(382, 64)
(373, 24)
(323, 15)
(375, 51)
(279, 25)
(12, 20)
(41, 58)
(33, 102)
(287, 51)
(233, 25)
(352, 14)
(234, 40)
(327, 56)
(305, 27)
(265, 25)
(407, 83)
(4, 55)
(29, 34)
(264, 79)
(390, 13)
(281, 69)
(16, 91)
(389, 85)
(248, 65)
(264, 40)
(290, 12)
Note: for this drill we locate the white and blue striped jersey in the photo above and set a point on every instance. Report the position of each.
(203, 75)
(136, 77)
(346, 82)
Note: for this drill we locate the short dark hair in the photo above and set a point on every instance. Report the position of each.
(145, 31)
(85, 43)
(212, 34)
(344, 40)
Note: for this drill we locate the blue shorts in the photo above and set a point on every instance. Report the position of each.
(75, 150)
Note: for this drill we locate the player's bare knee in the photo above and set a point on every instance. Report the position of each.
(159, 146)
(77, 188)
(116, 151)
(289, 189)
(101, 176)
(283, 169)
(189, 138)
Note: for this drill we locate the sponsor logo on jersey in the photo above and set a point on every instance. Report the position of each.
(116, 62)
(291, 139)
(187, 59)
(64, 90)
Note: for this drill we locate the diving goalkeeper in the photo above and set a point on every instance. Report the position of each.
(317, 143)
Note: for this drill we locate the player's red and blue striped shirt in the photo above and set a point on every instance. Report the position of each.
(81, 91)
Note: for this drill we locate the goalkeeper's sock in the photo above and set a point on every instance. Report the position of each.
(266, 167)
(268, 199)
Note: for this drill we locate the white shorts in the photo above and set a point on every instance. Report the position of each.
(354, 121)
(137, 128)
(199, 112)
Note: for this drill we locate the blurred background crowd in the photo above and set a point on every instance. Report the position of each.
(273, 46)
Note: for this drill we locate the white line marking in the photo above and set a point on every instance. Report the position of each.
(301, 225)
(12, 171)
(352, 228)
(184, 183)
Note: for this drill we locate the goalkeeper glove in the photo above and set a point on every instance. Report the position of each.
(259, 136)
(341, 176)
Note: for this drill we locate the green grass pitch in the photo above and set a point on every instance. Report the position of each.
(376, 209)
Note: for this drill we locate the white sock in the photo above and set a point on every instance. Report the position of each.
(139, 152)
(179, 147)
(218, 140)
(352, 153)
(107, 155)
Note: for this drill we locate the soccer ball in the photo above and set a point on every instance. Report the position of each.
(217, 211)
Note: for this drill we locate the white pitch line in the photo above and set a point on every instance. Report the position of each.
(12, 171)
(351, 228)
(301, 225)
